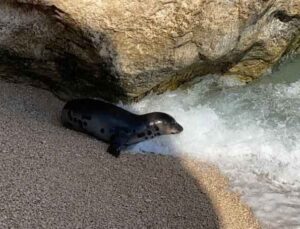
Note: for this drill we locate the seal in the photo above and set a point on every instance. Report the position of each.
(114, 125)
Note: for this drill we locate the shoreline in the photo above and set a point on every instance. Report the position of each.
(54, 177)
(233, 212)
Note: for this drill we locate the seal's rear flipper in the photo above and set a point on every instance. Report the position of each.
(117, 143)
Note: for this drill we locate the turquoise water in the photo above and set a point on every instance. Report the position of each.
(251, 132)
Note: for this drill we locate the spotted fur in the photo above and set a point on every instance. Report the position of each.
(115, 125)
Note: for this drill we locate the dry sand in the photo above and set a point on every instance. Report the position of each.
(52, 177)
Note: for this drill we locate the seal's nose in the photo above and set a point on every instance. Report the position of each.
(179, 128)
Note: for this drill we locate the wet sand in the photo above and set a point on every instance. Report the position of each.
(52, 177)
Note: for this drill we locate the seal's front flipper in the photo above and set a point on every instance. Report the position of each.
(113, 150)
(117, 143)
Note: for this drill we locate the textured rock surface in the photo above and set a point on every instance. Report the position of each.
(121, 49)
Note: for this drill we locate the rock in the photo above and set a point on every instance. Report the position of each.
(119, 49)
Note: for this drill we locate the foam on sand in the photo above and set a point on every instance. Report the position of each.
(251, 132)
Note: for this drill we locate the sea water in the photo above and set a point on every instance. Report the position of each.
(252, 132)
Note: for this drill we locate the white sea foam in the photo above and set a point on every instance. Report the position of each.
(251, 132)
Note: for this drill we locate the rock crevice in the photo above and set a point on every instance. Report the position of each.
(117, 49)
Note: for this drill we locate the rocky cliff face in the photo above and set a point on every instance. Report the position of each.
(125, 49)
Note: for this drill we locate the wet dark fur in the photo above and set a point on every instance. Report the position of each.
(115, 125)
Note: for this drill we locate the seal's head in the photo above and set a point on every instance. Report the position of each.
(164, 123)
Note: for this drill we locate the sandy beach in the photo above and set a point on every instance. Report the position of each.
(52, 177)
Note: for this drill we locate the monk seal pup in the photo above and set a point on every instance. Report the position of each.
(114, 125)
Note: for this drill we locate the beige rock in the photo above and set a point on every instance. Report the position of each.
(124, 49)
